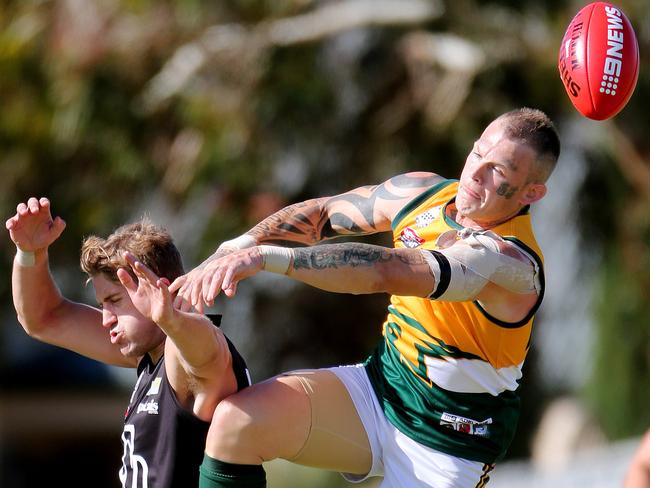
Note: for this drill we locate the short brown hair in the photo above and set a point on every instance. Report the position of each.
(535, 129)
(150, 244)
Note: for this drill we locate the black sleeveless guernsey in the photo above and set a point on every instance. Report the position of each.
(162, 442)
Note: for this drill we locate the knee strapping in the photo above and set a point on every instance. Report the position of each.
(336, 435)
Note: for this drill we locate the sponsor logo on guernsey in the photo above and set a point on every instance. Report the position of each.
(424, 219)
(465, 425)
(150, 406)
(614, 59)
(410, 238)
(155, 386)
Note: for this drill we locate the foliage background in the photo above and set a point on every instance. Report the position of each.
(211, 115)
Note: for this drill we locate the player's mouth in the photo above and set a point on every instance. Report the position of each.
(115, 336)
(472, 194)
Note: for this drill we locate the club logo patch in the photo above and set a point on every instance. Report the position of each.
(424, 219)
(465, 425)
(410, 238)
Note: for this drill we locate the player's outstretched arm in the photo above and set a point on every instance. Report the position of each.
(475, 267)
(344, 268)
(33, 230)
(36, 297)
(362, 211)
(197, 358)
(42, 310)
(362, 268)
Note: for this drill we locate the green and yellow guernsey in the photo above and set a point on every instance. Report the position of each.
(446, 373)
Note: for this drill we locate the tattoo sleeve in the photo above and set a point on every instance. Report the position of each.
(362, 268)
(298, 224)
(357, 212)
(351, 255)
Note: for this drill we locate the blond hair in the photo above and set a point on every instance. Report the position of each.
(150, 244)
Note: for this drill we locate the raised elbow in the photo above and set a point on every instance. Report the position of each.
(39, 324)
(33, 328)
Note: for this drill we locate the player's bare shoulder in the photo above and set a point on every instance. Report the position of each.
(413, 182)
(370, 209)
(401, 189)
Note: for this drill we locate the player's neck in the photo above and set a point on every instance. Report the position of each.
(477, 224)
(157, 352)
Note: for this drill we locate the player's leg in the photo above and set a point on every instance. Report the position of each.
(337, 438)
(306, 417)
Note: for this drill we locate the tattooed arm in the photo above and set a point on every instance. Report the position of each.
(362, 211)
(344, 268)
(365, 210)
(363, 268)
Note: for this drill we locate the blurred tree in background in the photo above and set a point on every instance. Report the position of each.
(211, 115)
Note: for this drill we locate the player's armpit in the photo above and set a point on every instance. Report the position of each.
(199, 366)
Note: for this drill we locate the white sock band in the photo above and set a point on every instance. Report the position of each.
(244, 241)
(276, 259)
(25, 258)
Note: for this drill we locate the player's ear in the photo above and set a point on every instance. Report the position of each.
(533, 193)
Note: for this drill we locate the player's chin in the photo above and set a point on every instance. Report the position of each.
(132, 350)
(467, 205)
(461, 202)
(127, 352)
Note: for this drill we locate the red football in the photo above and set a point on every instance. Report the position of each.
(599, 60)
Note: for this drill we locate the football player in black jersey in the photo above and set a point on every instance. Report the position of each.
(185, 364)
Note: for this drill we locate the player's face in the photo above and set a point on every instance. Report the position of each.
(494, 182)
(132, 332)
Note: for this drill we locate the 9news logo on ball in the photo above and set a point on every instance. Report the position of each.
(599, 60)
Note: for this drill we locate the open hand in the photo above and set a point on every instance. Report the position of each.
(200, 287)
(150, 294)
(32, 228)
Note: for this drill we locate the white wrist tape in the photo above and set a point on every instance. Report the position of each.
(25, 258)
(276, 259)
(244, 241)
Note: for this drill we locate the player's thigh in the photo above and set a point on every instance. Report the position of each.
(265, 421)
(305, 416)
(337, 439)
